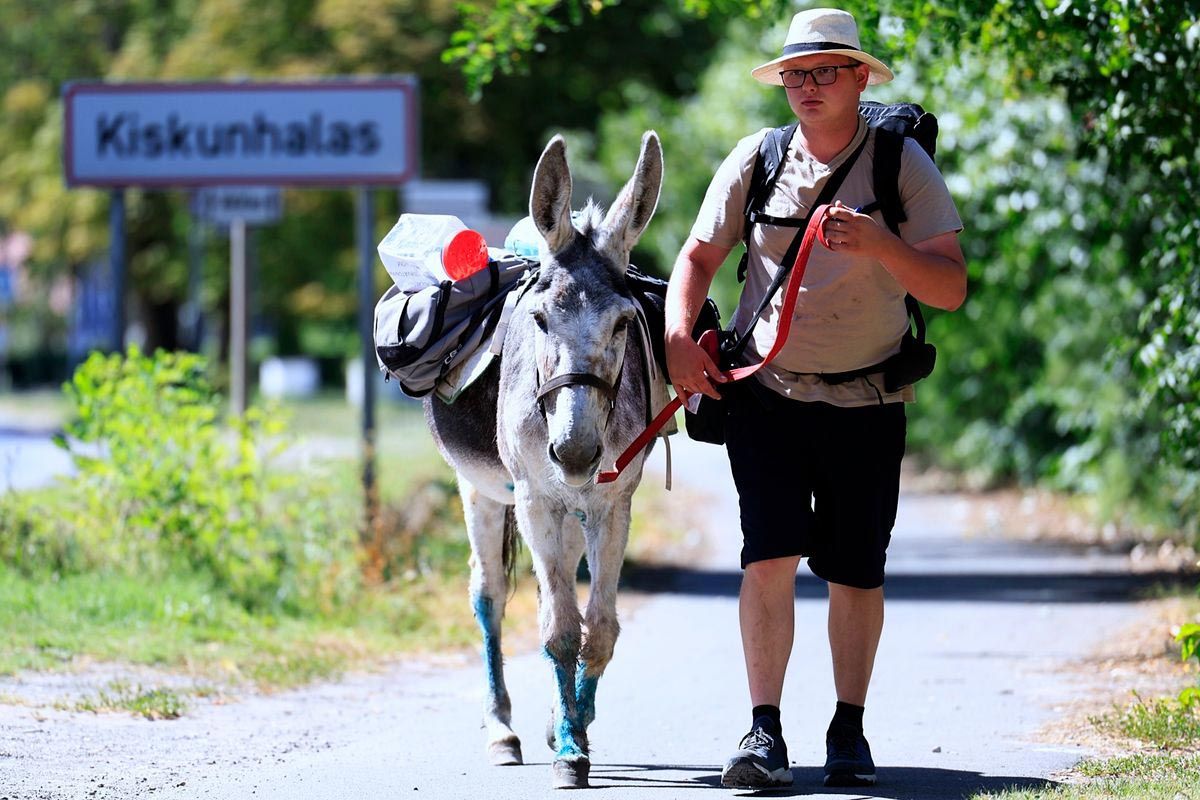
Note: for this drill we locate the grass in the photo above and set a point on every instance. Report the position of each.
(1144, 776)
(1162, 723)
(181, 624)
(153, 703)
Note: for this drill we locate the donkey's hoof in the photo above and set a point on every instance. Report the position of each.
(505, 752)
(571, 773)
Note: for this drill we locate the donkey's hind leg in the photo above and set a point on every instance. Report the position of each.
(491, 527)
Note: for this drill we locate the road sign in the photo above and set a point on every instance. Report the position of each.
(333, 133)
(254, 205)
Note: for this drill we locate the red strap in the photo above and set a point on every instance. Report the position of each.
(708, 340)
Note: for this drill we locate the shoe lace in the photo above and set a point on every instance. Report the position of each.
(758, 739)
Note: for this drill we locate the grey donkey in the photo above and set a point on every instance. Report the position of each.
(528, 437)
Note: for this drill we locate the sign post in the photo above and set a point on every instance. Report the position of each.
(341, 132)
(116, 255)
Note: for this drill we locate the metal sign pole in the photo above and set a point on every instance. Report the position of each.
(366, 324)
(116, 256)
(238, 316)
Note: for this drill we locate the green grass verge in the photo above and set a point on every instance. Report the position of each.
(1144, 776)
(1163, 723)
(181, 623)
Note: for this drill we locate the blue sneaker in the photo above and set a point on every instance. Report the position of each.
(848, 760)
(761, 762)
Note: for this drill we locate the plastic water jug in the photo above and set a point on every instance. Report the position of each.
(424, 249)
(524, 239)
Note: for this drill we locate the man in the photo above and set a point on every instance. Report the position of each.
(816, 465)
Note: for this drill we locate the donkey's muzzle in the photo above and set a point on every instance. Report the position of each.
(577, 465)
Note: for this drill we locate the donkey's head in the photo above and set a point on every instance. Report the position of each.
(580, 307)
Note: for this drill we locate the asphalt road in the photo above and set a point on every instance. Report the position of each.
(971, 665)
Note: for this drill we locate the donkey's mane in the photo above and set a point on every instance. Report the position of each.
(590, 218)
(587, 222)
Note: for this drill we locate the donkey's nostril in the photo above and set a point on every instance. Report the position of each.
(550, 451)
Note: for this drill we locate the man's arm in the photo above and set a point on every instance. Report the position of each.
(933, 271)
(690, 367)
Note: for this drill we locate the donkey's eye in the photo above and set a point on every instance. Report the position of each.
(540, 319)
(621, 325)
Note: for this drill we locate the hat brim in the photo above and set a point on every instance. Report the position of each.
(768, 73)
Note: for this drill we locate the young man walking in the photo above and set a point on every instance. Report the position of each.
(816, 465)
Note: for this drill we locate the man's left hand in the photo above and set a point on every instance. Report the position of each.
(855, 234)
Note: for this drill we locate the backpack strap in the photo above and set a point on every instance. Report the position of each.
(885, 177)
(772, 151)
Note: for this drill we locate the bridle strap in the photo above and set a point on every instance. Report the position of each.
(579, 379)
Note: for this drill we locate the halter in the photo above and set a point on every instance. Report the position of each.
(607, 390)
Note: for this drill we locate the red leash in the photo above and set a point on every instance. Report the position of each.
(708, 340)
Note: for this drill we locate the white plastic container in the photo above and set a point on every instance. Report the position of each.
(414, 250)
(524, 239)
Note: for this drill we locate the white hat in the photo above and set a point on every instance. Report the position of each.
(822, 30)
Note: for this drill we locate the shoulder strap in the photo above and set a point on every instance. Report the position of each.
(886, 177)
(772, 151)
(889, 146)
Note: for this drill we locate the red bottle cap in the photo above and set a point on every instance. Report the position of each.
(465, 254)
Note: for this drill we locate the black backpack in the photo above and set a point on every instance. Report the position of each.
(892, 124)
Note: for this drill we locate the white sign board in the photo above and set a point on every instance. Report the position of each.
(330, 133)
(254, 205)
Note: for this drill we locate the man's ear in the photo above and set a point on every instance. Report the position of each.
(862, 74)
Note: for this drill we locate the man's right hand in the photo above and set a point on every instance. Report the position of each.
(692, 370)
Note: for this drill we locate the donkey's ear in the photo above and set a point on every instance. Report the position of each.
(550, 198)
(634, 206)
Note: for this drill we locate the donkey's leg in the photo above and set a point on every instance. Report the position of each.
(556, 548)
(487, 530)
(606, 539)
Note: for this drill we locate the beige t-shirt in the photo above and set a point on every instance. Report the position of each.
(850, 312)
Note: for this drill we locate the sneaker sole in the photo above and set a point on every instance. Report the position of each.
(745, 775)
(849, 779)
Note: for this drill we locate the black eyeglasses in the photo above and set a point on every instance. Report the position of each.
(822, 76)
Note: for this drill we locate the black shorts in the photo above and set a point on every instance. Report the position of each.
(816, 480)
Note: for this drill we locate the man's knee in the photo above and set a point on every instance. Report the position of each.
(772, 571)
(845, 593)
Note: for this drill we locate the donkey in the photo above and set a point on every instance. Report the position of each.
(528, 437)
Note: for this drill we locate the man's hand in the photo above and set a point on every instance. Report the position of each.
(856, 234)
(692, 371)
(933, 271)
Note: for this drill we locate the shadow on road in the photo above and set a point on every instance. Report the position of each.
(1055, 587)
(900, 783)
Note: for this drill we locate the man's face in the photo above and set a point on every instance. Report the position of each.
(835, 102)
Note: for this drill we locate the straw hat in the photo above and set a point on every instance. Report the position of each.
(822, 30)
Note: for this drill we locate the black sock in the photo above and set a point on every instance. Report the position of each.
(847, 717)
(771, 713)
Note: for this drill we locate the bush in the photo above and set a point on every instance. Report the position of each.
(165, 484)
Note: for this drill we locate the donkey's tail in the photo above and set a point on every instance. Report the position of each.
(512, 546)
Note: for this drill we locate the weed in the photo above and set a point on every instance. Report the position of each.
(153, 703)
(1164, 723)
